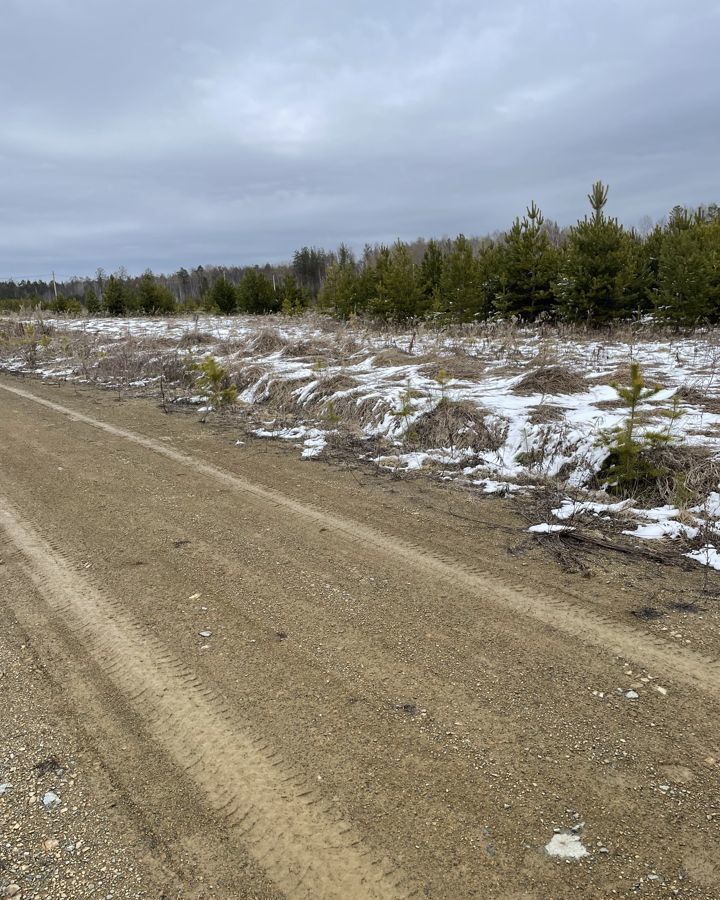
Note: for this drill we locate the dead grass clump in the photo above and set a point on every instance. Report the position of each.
(460, 368)
(246, 376)
(460, 425)
(686, 472)
(545, 414)
(281, 392)
(267, 341)
(695, 397)
(361, 411)
(326, 387)
(394, 356)
(196, 339)
(551, 380)
(302, 347)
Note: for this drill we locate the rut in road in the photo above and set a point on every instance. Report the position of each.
(309, 854)
(702, 672)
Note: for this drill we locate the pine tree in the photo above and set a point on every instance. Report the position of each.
(90, 300)
(689, 270)
(291, 296)
(398, 294)
(223, 296)
(527, 268)
(115, 296)
(461, 295)
(153, 299)
(431, 272)
(598, 278)
(341, 289)
(256, 293)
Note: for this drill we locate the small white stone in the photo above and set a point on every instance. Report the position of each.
(566, 846)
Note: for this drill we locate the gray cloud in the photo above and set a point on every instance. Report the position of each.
(174, 133)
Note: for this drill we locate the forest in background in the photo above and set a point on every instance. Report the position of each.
(596, 271)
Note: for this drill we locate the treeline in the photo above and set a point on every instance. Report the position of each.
(596, 271)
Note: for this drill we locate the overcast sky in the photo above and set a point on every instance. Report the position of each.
(176, 132)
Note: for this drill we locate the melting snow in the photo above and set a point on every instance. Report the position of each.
(395, 395)
(547, 528)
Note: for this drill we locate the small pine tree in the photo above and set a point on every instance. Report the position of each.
(153, 298)
(431, 273)
(626, 468)
(293, 299)
(215, 385)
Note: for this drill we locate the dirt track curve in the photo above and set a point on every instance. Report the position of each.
(355, 693)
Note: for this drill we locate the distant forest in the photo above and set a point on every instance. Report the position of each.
(595, 271)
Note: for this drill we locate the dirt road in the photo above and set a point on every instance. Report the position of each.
(304, 682)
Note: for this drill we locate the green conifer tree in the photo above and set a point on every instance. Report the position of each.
(599, 273)
(223, 296)
(527, 268)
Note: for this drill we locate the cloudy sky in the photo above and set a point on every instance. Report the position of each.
(175, 132)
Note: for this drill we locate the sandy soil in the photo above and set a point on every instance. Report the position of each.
(298, 680)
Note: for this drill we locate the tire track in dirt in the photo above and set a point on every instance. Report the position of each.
(309, 853)
(698, 670)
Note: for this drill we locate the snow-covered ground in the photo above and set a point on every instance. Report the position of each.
(308, 377)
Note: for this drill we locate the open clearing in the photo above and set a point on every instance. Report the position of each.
(259, 677)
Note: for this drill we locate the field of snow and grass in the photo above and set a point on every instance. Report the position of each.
(501, 408)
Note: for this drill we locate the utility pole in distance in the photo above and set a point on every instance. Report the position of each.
(54, 285)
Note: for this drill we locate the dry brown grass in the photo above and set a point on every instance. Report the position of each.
(194, 339)
(245, 376)
(459, 367)
(267, 341)
(551, 380)
(394, 356)
(545, 414)
(685, 469)
(331, 385)
(460, 425)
